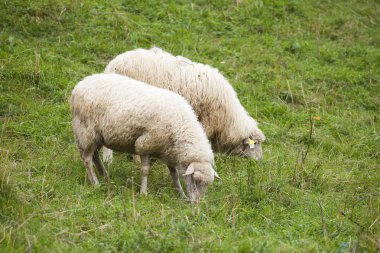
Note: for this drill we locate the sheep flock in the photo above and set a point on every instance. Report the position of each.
(150, 103)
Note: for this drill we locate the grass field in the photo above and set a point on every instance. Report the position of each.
(294, 64)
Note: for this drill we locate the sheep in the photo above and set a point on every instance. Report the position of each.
(227, 124)
(126, 115)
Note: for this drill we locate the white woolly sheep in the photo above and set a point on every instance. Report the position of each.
(227, 124)
(129, 116)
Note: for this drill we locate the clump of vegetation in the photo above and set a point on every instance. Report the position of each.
(5, 185)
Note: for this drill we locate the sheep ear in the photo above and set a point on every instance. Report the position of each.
(189, 171)
(216, 175)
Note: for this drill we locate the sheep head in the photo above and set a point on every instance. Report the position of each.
(251, 147)
(198, 176)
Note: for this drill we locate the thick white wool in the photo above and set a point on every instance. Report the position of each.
(129, 116)
(213, 99)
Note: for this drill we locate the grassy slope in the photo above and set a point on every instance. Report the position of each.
(286, 59)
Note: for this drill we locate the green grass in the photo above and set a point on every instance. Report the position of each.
(288, 60)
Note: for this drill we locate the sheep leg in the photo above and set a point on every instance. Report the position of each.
(99, 165)
(177, 183)
(107, 155)
(87, 159)
(145, 165)
(87, 140)
(136, 158)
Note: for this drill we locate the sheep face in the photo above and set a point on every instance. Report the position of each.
(197, 177)
(251, 147)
